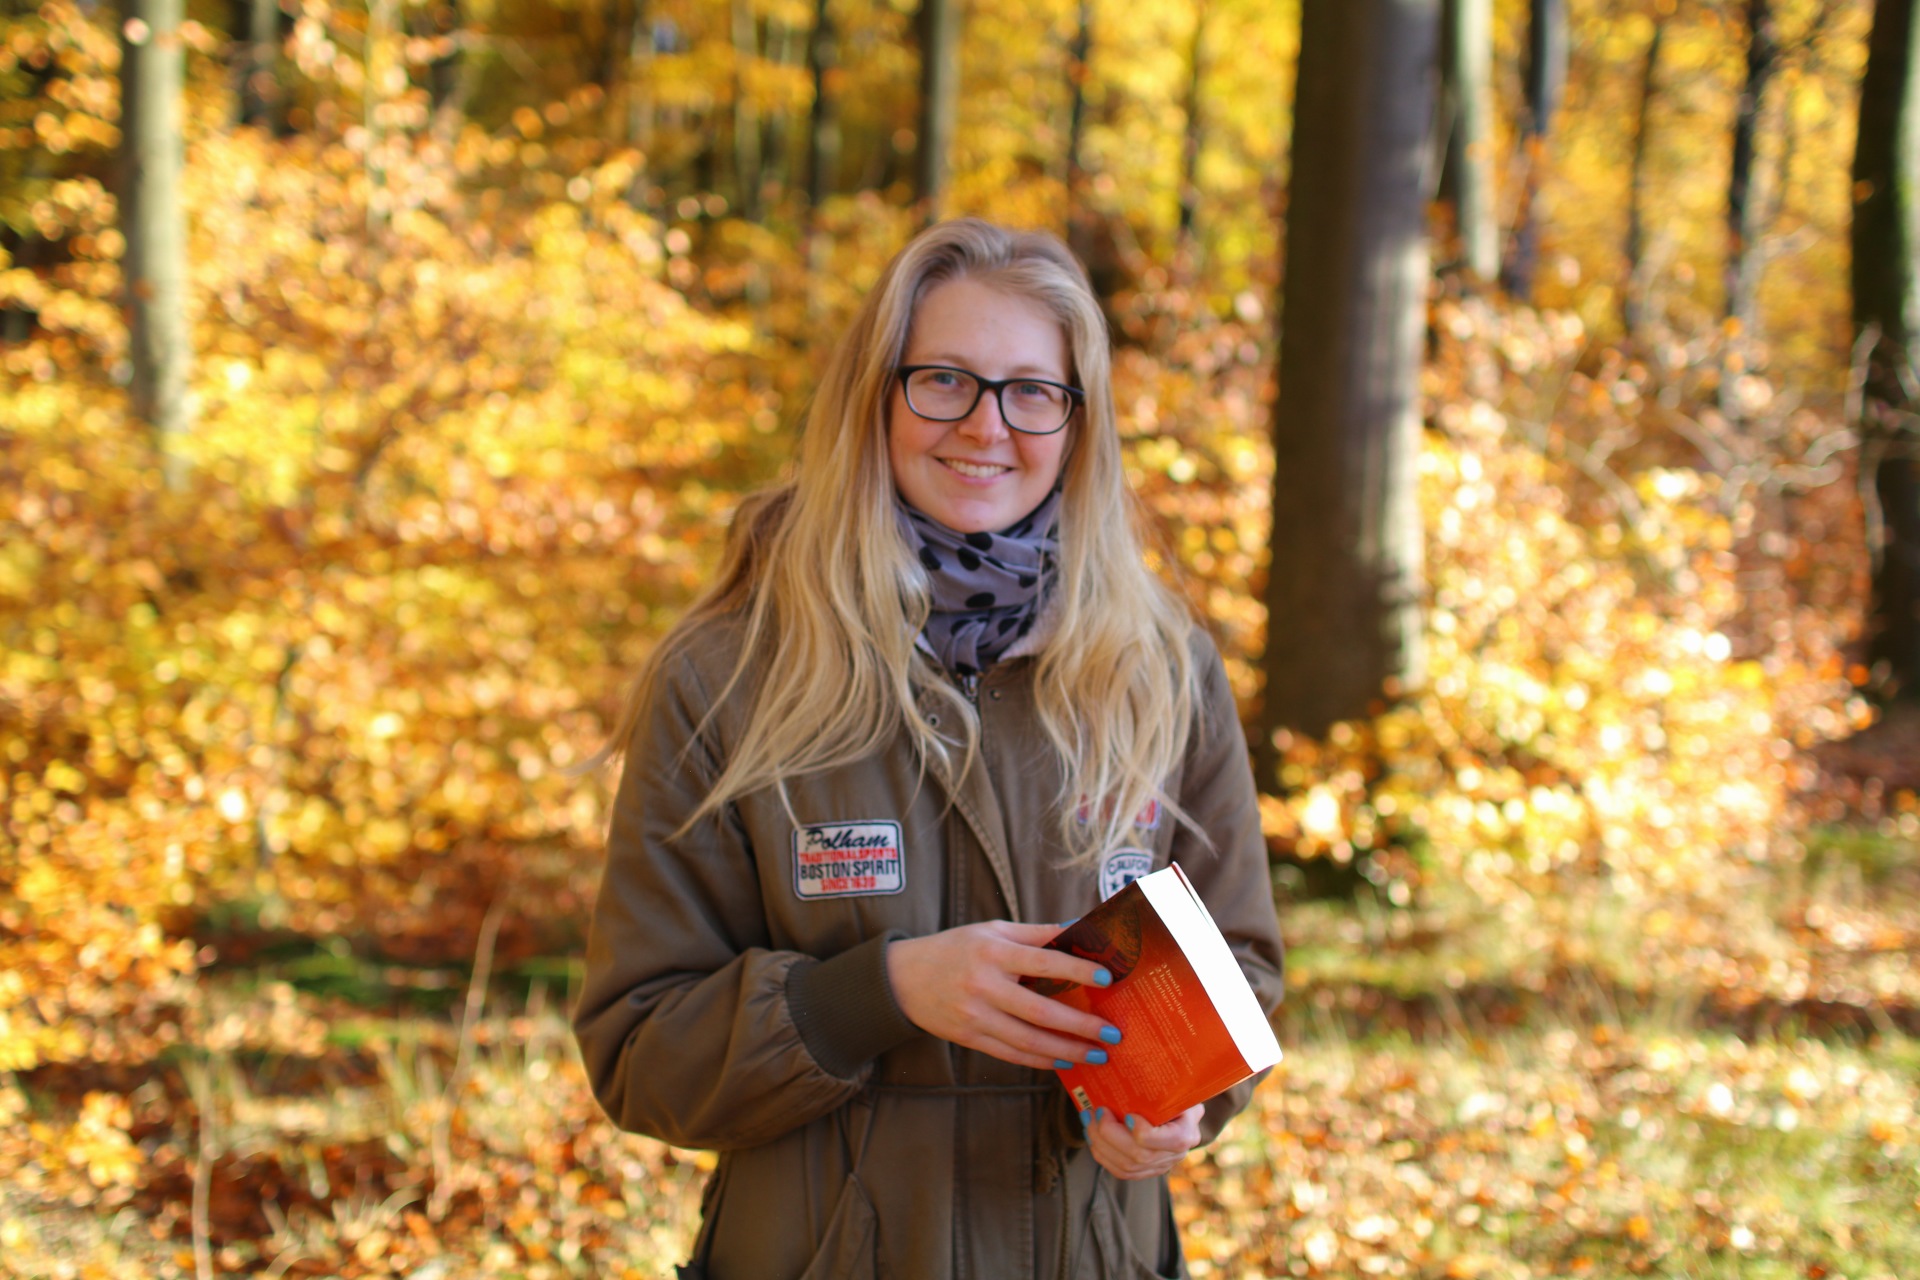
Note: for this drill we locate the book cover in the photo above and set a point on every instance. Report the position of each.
(1190, 1026)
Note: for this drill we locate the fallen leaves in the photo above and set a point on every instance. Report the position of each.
(1545, 1153)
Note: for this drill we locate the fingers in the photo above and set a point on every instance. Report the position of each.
(1029, 935)
(1021, 950)
(1142, 1150)
(963, 985)
(1178, 1135)
(1029, 957)
(1040, 1011)
(1011, 957)
(1038, 1045)
(1132, 1134)
(997, 986)
(1113, 1148)
(997, 1048)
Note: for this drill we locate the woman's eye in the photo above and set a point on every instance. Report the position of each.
(945, 379)
(1033, 390)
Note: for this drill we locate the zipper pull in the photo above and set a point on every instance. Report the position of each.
(970, 685)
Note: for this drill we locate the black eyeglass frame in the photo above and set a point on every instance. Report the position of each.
(1075, 396)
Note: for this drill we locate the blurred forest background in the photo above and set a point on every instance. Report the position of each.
(377, 378)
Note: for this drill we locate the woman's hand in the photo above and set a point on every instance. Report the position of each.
(1141, 1151)
(963, 985)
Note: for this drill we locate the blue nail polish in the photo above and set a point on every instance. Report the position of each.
(1130, 1120)
(1061, 1064)
(1101, 978)
(1086, 1118)
(1068, 924)
(1110, 1034)
(1099, 1112)
(1098, 1057)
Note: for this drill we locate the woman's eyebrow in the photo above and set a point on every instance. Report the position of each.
(1018, 371)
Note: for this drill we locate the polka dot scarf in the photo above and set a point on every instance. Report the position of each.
(987, 587)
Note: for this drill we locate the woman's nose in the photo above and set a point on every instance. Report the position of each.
(985, 423)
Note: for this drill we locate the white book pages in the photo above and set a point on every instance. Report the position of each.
(1192, 926)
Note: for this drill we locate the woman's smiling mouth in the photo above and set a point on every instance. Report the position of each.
(975, 470)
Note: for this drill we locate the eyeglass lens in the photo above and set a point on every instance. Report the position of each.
(948, 394)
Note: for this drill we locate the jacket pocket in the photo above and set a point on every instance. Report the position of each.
(1117, 1254)
(850, 1248)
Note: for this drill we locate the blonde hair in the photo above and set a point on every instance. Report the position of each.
(827, 592)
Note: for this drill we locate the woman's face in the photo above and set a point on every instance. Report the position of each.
(977, 475)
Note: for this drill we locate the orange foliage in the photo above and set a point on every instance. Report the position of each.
(1585, 716)
(447, 465)
(474, 401)
(475, 398)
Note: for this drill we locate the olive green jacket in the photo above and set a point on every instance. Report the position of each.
(736, 995)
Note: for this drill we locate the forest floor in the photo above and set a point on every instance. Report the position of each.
(1884, 756)
(1464, 1095)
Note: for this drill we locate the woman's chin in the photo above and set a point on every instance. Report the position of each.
(969, 516)
(975, 512)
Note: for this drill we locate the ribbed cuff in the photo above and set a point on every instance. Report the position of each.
(844, 1007)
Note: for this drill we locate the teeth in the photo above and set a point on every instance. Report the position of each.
(980, 470)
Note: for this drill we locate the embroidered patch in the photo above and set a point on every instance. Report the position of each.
(848, 860)
(1148, 819)
(1121, 868)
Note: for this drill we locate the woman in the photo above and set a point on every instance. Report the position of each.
(934, 705)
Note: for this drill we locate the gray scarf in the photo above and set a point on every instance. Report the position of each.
(986, 587)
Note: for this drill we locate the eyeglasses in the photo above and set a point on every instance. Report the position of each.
(941, 393)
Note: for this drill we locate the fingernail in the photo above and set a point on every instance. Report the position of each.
(1130, 1122)
(1101, 978)
(1110, 1034)
(1098, 1057)
(1061, 1064)
(1099, 1112)
(1068, 924)
(1086, 1119)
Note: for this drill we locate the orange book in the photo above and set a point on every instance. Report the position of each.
(1189, 1024)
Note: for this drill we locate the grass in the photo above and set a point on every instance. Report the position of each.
(1878, 856)
(1466, 1094)
(1557, 1148)
(1568, 1151)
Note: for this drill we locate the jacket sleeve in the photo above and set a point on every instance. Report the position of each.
(1226, 858)
(693, 1029)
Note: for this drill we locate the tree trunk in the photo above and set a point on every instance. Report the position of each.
(823, 150)
(1546, 78)
(823, 122)
(450, 76)
(155, 262)
(610, 27)
(260, 99)
(25, 251)
(1193, 136)
(747, 175)
(1743, 210)
(1466, 173)
(1079, 217)
(776, 128)
(1633, 300)
(939, 101)
(380, 59)
(639, 79)
(1886, 315)
(1343, 617)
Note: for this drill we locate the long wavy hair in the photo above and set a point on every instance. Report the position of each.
(826, 591)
